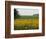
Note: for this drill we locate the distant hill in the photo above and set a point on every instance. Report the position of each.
(36, 15)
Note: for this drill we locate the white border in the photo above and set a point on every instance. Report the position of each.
(26, 31)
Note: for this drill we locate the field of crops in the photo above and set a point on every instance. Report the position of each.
(26, 24)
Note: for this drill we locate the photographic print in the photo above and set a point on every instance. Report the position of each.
(24, 19)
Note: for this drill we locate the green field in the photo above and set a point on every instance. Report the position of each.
(25, 27)
(26, 23)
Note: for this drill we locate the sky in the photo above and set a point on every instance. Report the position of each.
(27, 12)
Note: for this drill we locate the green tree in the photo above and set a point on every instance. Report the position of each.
(16, 15)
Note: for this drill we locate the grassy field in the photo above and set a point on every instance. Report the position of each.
(26, 23)
(26, 17)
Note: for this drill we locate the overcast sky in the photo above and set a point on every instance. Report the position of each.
(27, 11)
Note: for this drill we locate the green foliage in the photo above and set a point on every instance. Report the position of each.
(24, 27)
